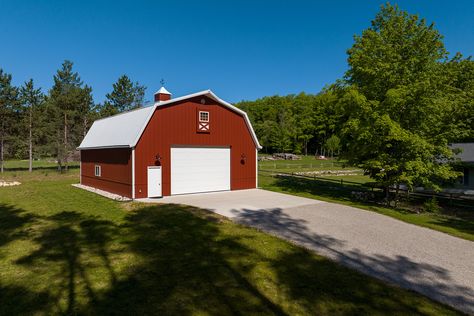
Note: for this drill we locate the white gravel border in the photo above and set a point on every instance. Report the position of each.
(8, 183)
(103, 193)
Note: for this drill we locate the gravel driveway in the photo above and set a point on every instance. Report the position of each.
(432, 263)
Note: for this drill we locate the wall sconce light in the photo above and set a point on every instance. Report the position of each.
(158, 159)
(243, 158)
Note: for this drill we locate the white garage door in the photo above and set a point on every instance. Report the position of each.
(199, 169)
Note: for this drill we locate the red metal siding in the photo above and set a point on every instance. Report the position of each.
(116, 170)
(176, 125)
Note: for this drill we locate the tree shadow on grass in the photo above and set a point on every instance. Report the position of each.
(162, 260)
(181, 269)
(64, 251)
(181, 260)
(13, 223)
(16, 300)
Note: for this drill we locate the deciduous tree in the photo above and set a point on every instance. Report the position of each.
(396, 106)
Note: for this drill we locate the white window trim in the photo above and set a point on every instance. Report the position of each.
(98, 168)
(208, 116)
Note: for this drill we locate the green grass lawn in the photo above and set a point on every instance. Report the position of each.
(305, 163)
(460, 223)
(67, 251)
(309, 164)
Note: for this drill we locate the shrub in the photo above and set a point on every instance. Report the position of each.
(432, 206)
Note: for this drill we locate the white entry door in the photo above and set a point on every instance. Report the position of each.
(199, 169)
(154, 181)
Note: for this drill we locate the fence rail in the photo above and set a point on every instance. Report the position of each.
(275, 165)
(373, 186)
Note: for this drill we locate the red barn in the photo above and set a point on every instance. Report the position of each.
(195, 143)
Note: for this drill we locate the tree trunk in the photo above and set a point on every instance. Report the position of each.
(65, 142)
(30, 142)
(84, 127)
(1, 152)
(59, 144)
(397, 191)
(2, 147)
(387, 195)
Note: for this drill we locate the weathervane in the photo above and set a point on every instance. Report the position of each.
(162, 81)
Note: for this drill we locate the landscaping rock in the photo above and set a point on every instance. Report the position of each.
(8, 183)
(103, 193)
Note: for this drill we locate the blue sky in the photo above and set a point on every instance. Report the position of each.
(239, 49)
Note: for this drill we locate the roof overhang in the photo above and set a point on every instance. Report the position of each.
(104, 147)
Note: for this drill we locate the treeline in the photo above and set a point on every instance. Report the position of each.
(394, 113)
(301, 124)
(401, 103)
(37, 124)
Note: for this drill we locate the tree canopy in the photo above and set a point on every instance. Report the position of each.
(399, 105)
(126, 95)
(402, 101)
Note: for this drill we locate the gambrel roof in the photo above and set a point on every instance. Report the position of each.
(124, 130)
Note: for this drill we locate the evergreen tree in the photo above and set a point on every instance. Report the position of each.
(69, 104)
(126, 95)
(8, 100)
(30, 99)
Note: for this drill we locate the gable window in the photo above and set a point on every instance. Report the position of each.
(97, 170)
(203, 116)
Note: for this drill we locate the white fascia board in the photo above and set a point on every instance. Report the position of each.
(103, 147)
(244, 114)
(150, 115)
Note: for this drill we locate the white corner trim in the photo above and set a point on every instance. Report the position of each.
(133, 173)
(256, 168)
(80, 171)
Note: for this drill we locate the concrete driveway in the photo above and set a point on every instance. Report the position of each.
(432, 263)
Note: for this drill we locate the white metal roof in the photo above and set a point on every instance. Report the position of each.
(163, 91)
(125, 129)
(118, 130)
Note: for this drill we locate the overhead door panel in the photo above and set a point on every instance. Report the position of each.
(199, 169)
